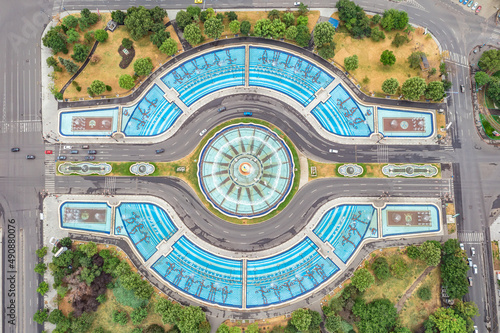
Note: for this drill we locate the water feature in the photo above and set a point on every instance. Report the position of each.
(89, 216)
(400, 123)
(409, 219)
(98, 122)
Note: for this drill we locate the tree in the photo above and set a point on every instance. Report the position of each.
(278, 28)
(490, 60)
(118, 16)
(97, 87)
(245, 27)
(327, 51)
(351, 63)
(481, 78)
(387, 58)
(41, 316)
(80, 52)
(378, 316)
(323, 34)
(303, 9)
(273, 15)
(333, 323)
(51, 62)
(43, 287)
(446, 84)
(394, 19)
(390, 86)
(316, 319)
(291, 32)
(399, 268)
(138, 315)
(192, 34)
(377, 34)
(223, 328)
(127, 43)
(434, 91)
(139, 22)
(432, 71)
(154, 328)
(73, 36)
(376, 19)
(252, 328)
(90, 248)
(158, 13)
(169, 47)
(362, 279)
(263, 28)
(446, 320)
(101, 35)
(301, 319)
(413, 251)
(413, 88)
(55, 316)
(40, 268)
(41, 252)
(159, 38)
(70, 21)
(442, 69)
(194, 12)
(234, 27)
(120, 317)
(183, 19)
(55, 40)
(288, 18)
(494, 91)
(402, 330)
(424, 293)
(213, 28)
(70, 66)
(190, 319)
(143, 66)
(88, 37)
(399, 40)
(303, 36)
(415, 58)
(303, 20)
(381, 269)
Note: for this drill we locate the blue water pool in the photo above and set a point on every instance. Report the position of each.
(90, 216)
(345, 226)
(287, 275)
(286, 73)
(409, 219)
(342, 115)
(146, 225)
(152, 115)
(201, 274)
(207, 73)
(398, 123)
(99, 122)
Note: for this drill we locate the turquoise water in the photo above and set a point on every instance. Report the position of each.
(345, 226)
(201, 274)
(342, 115)
(207, 73)
(145, 224)
(152, 115)
(231, 189)
(422, 120)
(73, 123)
(287, 275)
(95, 216)
(435, 224)
(286, 73)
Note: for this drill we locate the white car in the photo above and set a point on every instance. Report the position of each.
(474, 6)
(462, 247)
(203, 132)
(333, 151)
(297, 3)
(470, 261)
(474, 267)
(473, 251)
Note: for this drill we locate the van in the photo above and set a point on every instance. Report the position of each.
(73, 152)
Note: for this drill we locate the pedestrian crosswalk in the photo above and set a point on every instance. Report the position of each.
(415, 4)
(50, 174)
(457, 58)
(21, 127)
(448, 147)
(382, 154)
(110, 185)
(496, 34)
(471, 237)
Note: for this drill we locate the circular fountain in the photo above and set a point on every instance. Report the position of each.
(245, 170)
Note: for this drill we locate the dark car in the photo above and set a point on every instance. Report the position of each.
(221, 109)
(15, 150)
(30, 157)
(159, 151)
(92, 152)
(61, 157)
(89, 158)
(85, 147)
(73, 152)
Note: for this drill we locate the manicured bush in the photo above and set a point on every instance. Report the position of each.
(424, 293)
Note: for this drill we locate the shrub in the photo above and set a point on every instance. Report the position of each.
(118, 16)
(126, 82)
(101, 298)
(351, 63)
(138, 315)
(120, 317)
(143, 66)
(413, 252)
(390, 86)
(154, 328)
(40, 268)
(80, 52)
(108, 88)
(302, 20)
(127, 297)
(399, 40)
(415, 58)
(381, 269)
(232, 16)
(127, 43)
(273, 15)
(399, 268)
(101, 35)
(245, 27)
(362, 279)
(424, 293)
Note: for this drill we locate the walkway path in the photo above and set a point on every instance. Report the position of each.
(409, 291)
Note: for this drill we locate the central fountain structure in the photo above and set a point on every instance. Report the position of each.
(245, 170)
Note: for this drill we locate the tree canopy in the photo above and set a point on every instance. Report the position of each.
(351, 63)
(323, 34)
(192, 34)
(379, 316)
(213, 28)
(390, 86)
(490, 60)
(362, 279)
(169, 47)
(303, 36)
(301, 319)
(481, 78)
(413, 88)
(245, 27)
(388, 58)
(139, 22)
(381, 269)
(394, 19)
(143, 66)
(97, 87)
(494, 91)
(126, 82)
(434, 91)
(55, 40)
(234, 26)
(101, 35)
(183, 19)
(80, 52)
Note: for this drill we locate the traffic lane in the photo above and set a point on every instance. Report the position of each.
(257, 236)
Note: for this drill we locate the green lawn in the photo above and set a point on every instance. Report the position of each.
(488, 129)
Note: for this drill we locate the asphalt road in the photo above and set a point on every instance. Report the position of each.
(21, 180)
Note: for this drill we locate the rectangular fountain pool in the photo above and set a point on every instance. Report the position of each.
(89, 216)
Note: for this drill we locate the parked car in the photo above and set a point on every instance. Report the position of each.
(221, 109)
(475, 6)
(474, 267)
(248, 114)
(467, 1)
(333, 151)
(48, 152)
(159, 151)
(30, 157)
(92, 152)
(67, 147)
(61, 157)
(470, 281)
(297, 3)
(85, 147)
(470, 261)
(203, 132)
(89, 158)
(462, 247)
(15, 150)
(471, 2)
(73, 152)
(473, 251)
(462, 88)
(478, 9)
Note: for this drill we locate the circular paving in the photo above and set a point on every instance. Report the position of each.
(245, 170)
